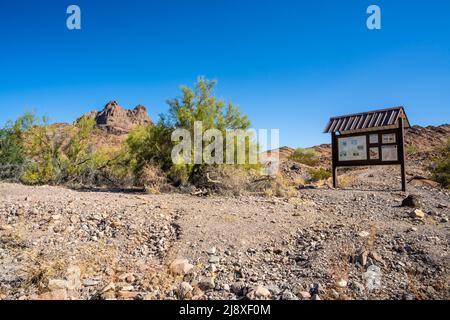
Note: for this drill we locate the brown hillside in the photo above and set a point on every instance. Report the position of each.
(422, 144)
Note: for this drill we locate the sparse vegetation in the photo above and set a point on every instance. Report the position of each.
(319, 174)
(441, 167)
(411, 150)
(36, 152)
(305, 156)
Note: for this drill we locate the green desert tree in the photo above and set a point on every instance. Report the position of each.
(199, 104)
(12, 150)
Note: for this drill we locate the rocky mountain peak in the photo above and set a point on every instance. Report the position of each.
(117, 120)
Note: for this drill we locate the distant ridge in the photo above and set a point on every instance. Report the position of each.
(424, 141)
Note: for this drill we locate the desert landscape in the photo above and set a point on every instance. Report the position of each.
(290, 238)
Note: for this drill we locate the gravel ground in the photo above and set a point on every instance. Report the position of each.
(353, 243)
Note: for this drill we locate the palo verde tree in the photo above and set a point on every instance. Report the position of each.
(12, 150)
(153, 144)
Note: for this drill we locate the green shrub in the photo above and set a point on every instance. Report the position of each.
(64, 154)
(441, 167)
(153, 145)
(305, 156)
(411, 150)
(319, 174)
(11, 140)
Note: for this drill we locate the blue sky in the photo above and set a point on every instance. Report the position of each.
(288, 64)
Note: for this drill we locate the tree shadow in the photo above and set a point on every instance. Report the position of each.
(139, 191)
(369, 190)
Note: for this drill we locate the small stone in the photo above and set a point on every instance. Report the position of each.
(317, 288)
(341, 283)
(305, 295)
(211, 251)
(56, 284)
(278, 251)
(90, 282)
(288, 295)
(374, 255)
(212, 267)
(274, 289)
(363, 234)
(226, 287)
(127, 288)
(180, 267)
(411, 201)
(334, 294)
(184, 289)
(110, 287)
(207, 283)
(214, 259)
(362, 257)
(417, 214)
(262, 292)
(316, 297)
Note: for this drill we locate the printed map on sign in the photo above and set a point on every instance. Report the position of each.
(352, 148)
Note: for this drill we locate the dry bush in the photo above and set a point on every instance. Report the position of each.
(277, 186)
(223, 180)
(345, 180)
(154, 180)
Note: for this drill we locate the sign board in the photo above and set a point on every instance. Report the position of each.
(368, 139)
(370, 148)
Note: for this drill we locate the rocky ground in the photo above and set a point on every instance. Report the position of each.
(358, 242)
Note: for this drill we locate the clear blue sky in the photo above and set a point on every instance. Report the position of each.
(288, 64)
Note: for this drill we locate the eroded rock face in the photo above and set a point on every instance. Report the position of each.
(117, 120)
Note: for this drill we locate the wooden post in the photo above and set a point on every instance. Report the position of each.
(334, 158)
(335, 177)
(401, 145)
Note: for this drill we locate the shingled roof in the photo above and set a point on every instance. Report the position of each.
(366, 121)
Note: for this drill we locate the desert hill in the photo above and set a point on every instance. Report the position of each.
(422, 143)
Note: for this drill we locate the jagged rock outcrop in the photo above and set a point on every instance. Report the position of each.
(116, 120)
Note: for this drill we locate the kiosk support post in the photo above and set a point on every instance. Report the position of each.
(402, 153)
